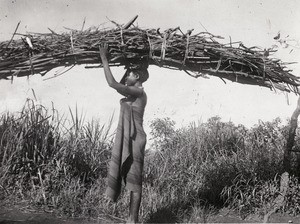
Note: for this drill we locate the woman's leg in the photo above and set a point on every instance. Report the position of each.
(135, 201)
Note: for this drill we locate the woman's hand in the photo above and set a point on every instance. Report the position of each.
(103, 48)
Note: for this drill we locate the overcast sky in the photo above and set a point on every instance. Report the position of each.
(170, 93)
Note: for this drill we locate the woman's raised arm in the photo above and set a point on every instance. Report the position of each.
(122, 89)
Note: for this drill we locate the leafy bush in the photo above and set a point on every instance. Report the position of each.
(216, 163)
(40, 158)
(189, 172)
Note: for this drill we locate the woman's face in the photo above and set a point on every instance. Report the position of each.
(131, 79)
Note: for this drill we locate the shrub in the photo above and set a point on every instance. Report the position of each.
(189, 172)
(43, 160)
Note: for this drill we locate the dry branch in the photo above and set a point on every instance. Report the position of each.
(200, 53)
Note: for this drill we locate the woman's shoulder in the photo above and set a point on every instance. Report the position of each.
(143, 95)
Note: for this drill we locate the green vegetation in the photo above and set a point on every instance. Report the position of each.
(190, 172)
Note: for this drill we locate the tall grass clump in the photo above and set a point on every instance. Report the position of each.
(29, 141)
(214, 164)
(190, 172)
(44, 161)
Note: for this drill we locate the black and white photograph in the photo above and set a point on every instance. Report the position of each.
(162, 111)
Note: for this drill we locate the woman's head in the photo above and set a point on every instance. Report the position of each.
(142, 74)
(132, 76)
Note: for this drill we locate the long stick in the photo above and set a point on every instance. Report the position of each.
(291, 138)
(130, 22)
(13, 35)
(83, 24)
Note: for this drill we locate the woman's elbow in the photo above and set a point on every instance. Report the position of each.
(112, 85)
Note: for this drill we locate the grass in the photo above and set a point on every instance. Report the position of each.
(189, 172)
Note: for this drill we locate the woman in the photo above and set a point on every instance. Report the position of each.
(129, 147)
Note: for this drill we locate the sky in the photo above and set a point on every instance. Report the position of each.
(170, 93)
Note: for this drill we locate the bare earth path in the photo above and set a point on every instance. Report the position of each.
(22, 214)
(17, 216)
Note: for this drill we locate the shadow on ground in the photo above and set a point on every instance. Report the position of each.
(163, 215)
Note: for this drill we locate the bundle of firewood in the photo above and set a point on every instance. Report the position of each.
(197, 54)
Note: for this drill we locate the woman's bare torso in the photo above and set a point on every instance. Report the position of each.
(138, 102)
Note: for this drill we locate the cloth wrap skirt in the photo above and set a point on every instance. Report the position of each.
(127, 161)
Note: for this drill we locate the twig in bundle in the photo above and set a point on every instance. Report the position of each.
(130, 22)
(223, 80)
(13, 35)
(194, 76)
(187, 48)
(117, 25)
(59, 74)
(53, 32)
(14, 74)
(273, 86)
(83, 24)
(203, 26)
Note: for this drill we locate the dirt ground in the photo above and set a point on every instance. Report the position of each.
(16, 216)
(22, 214)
